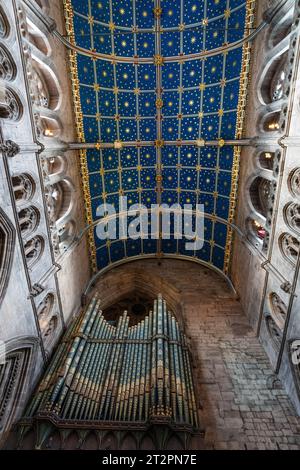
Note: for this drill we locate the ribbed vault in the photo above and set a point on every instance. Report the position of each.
(160, 114)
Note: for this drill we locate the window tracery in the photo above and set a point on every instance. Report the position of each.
(7, 240)
(262, 193)
(289, 247)
(277, 86)
(23, 186)
(292, 216)
(10, 105)
(28, 219)
(34, 250)
(7, 65)
(294, 182)
(4, 25)
(266, 160)
(12, 376)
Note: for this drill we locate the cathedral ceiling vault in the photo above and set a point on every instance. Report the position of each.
(158, 99)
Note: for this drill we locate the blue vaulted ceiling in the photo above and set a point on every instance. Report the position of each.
(142, 102)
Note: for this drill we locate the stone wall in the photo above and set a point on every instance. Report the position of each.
(38, 295)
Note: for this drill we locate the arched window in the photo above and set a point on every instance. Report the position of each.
(33, 250)
(54, 198)
(279, 309)
(4, 25)
(289, 246)
(292, 216)
(277, 87)
(294, 182)
(39, 92)
(266, 160)
(7, 65)
(50, 127)
(13, 373)
(59, 200)
(23, 186)
(10, 105)
(45, 90)
(7, 241)
(274, 76)
(279, 77)
(271, 123)
(28, 219)
(262, 194)
(274, 331)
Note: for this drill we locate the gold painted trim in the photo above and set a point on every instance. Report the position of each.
(68, 9)
(243, 92)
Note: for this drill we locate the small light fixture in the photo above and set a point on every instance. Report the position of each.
(273, 126)
(268, 155)
(48, 133)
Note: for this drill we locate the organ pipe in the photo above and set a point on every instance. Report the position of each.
(104, 373)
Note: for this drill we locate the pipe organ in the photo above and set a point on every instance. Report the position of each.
(116, 377)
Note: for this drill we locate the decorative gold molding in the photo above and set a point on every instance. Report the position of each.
(243, 92)
(68, 9)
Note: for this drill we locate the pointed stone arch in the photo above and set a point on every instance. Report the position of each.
(15, 378)
(7, 244)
